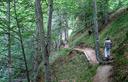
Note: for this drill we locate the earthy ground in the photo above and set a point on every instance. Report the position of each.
(104, 74)
(90, 54)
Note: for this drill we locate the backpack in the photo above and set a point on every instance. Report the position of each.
(108, 44)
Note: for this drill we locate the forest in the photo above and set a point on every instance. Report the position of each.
(63, 40)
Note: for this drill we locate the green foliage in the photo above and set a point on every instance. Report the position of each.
(71, 9)
(61, 53)
(86, 39)
(120, 68)
(114, 5)
(76, 68)
(117, 30)
(118, 33)
(26, 19)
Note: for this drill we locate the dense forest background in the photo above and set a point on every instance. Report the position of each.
(37, 36)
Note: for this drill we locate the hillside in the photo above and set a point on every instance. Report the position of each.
(76, 68)
(118, 31)
(63, 40)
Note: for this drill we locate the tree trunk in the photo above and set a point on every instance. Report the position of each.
(48, 45)
(63, 29)
(96, 29)
(21, 42)
(60, 41)
(9, 42)
(106, 12)
(38, 55)
(40, 29)
(66, 28)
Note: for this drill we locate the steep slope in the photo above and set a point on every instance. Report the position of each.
(118, 31)
(73, 67)
(76, 67)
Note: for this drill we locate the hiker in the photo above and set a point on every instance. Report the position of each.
(107, 48)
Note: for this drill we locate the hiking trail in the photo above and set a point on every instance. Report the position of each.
(104, 72)
(89, 53)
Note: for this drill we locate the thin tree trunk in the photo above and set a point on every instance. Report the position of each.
(60, 32)
(40, 29)
(9, 42)
(38, 55)
(96, 29)
(21, 42)
(48, 46)
(66, 28)
(106, 12)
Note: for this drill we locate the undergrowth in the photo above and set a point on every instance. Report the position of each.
(60, 53)
(118, 32)
(77, 69)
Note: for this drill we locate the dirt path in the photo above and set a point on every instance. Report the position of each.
(104, 74)
(89, 53)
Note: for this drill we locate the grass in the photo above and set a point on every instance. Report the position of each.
(118, 32)
(66, 68)
(84, 39)
(77, 69)
(60, 53)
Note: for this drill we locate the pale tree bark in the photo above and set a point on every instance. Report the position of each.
(63, 34)
(40, 29)
(96, 29)
(9, 42)
(60, 32)
(21, 42)
(66, 27)
(48, 45)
